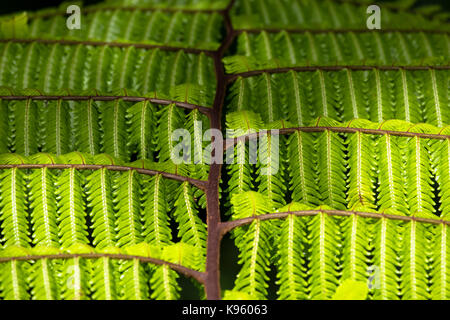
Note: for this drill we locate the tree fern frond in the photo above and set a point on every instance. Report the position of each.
(324, 251)
(156, 221)
(291, 246)
(114, 133)
(303, 169)
(13, 212)
(191, 230)
(361, 148)
(141, 118)
(13, 280)
(127, 202)
(24, 115)
(41, 184)
(100, 199)
(331, 167)
(54, 121)
(71, 208)
(171, 118)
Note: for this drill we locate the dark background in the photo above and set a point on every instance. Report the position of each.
(20, 5)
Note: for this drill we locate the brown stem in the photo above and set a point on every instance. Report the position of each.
(212, 281)
(197, 275)
(318, 31)
(201, 184)
(226, 227)
(112, 44)
(251, 73)
(230, 142)
(121, 8)
(185, 105)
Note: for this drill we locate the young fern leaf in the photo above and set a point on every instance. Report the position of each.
(86, 130)
(387, 258)
(303, 168)
(41, 183)
(149, 71)
(291, 246)
(164, 284)
(420, 190)
(105, 279)
(331, 166)
(171, 119)
(114, 132)
(441, 163)
(392, 150)
(163, 281)
(191, 230)
(134, 280)
(100, 199)
(126, 64)
(54, 122)
(156, 221)
(361, 149)
(43, 280)
(270, 177)
(71, 208)
(253, 242)
(127, 202)
(440, 288)
(13, 212)
(414, 276)
(75, 278)
(13, 280)
(323, 244)
(76, 71)
(45, 275)
(24, 115)
(50, 73)
(4, 127)
(254, 246)
(141, 118)
(356, 247)
(28, 67)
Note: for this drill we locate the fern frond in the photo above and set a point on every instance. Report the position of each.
(13, 276)
(392, 152)
(100, 200)
(192, 230)
(141, 118)
(24, 114)
(361, 148)
(127, 202)
(291, 246)
(41, 184)
(105, 278)
(55, 124)
(114, 131)
(71, 208)
(324, 252)
(156, 227)
(331, 167)
(303, 169)
(86, 128)
(171, 118)
(13, 212)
